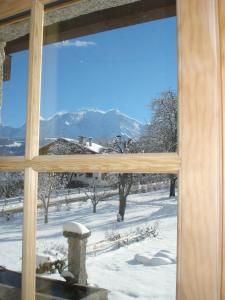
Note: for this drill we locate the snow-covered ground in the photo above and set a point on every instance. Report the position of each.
(128, 272)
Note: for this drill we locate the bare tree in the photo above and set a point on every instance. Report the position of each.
(123, 181)
(162, 131)
(11, 184)
(95, 194)
(47, 184)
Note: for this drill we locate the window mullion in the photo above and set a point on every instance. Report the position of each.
(32, 149)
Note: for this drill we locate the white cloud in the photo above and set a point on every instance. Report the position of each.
(77, 43)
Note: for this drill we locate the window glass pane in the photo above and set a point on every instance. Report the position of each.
(11, 221)
(13, 87)
(121, 228)
(109, 88)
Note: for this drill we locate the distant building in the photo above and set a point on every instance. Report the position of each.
(60, 146)
(83, 145)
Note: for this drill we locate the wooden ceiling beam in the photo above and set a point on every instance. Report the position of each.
(9, 8)
(116, 17)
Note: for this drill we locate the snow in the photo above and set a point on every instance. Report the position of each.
(75, 227)
(43, 258)
(68, 140)
(125, 272)
(94, 147)
(166, 254)
(163, 257)
(88, 122)
(67, 274)
(14, 144)
(58, 114)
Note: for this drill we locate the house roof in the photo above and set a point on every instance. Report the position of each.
(69, 146)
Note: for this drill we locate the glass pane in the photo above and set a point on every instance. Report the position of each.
(109, 89)
(13, 87)
(116, 233)
(11, 221)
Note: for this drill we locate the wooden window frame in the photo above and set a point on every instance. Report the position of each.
(199, 161)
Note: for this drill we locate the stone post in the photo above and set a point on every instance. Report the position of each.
(77, 235)
(2, 58)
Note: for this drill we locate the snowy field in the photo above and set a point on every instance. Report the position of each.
(144, 270)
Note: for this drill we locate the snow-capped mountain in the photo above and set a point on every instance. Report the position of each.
(8, 132)
(88, 122)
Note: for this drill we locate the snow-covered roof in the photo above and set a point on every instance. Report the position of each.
(94, 147)
(73, 146)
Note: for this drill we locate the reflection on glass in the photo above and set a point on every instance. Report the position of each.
(11, 219)
(114, 232)
(112, 87)
(13, 87)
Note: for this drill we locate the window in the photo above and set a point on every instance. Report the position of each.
(132, 218)
(11, 210)
(13, 90)
(198, 161)
(114, 91)
(107, 93)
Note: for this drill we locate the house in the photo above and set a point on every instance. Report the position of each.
(66, 146)
(82, 145)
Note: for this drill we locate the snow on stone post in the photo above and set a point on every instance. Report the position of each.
(77, 235)
(2, 58)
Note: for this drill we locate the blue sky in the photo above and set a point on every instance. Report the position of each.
(122, 68)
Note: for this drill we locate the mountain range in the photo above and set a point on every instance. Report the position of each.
(88, 122)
